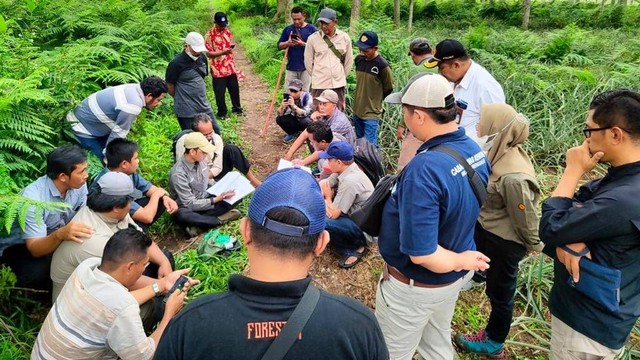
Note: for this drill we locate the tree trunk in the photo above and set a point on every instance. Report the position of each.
(396, 13)
(526, 12)
(282, 10)
(411, 3)
(355, 17)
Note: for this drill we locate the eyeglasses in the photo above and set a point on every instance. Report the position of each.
(587, 131)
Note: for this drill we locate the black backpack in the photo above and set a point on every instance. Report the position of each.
(174, 141)
(369, 159)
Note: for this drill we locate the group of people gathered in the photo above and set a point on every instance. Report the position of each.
(112, 285)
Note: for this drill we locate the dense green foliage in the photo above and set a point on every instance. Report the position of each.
(550, 76)
(53, 53)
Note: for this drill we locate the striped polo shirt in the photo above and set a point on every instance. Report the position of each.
(95, 317)
(109, 112)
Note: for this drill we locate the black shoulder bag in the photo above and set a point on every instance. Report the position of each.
(477, 184)
(369, 216)
(332, 47)
(298, 319)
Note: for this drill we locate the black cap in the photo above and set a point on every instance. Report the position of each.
(221, 18)
(447, 50)
(367, 40)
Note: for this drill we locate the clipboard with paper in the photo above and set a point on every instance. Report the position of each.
(235, 181)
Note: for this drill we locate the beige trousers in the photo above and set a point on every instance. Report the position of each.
(568, 344)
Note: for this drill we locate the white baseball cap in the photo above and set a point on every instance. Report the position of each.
(426, 91)
(196, 41)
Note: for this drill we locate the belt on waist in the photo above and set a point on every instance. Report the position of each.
(396, 274)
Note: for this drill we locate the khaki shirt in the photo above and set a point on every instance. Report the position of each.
(70, 253)
(354, 188)
(511, 210)
(323, 65)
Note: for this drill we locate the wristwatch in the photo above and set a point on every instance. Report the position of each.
(156, 288)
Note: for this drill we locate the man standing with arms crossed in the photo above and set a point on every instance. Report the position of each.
(426, 235)
(601, 221)
(295, 37)
(328, 57)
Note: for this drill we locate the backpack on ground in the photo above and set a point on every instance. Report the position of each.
(174, 141)
(369, 159)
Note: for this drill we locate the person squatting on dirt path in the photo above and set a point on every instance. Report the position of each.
(508, 224)
(344, 192)
(596, 226)
(429, 254)
(284, 232)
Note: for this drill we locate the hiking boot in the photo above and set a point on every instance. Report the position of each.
(480, 344)
(289, 138)
(230, 215)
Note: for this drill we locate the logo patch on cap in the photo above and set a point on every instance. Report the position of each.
(364, 38)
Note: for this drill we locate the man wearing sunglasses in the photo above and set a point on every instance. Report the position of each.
(601, 221)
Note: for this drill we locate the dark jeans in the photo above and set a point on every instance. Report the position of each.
(144, 202)
(232, 157)
(344, 234)
(367, 128)
(154, 313)
(94, 144)
(220, 85)
(292, 124)
(31, 272)
(203, 219)
(185, 122)
(501, 280)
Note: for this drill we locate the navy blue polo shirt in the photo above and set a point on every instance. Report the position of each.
(296, 53)
(432, 204)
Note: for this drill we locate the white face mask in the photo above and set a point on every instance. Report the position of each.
(486, 142)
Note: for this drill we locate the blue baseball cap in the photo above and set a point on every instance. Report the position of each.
(340, 150)
(293, 188)
(367, 40)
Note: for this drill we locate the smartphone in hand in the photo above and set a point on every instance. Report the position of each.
(177, 286)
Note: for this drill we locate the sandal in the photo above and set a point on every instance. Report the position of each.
(351, 253)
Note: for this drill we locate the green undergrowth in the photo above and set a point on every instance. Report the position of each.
(550, 76)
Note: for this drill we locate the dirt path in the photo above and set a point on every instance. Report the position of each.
(358, 282)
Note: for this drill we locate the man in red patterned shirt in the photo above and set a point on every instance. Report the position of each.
(224, 72)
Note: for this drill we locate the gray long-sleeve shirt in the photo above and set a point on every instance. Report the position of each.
(188, 184)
